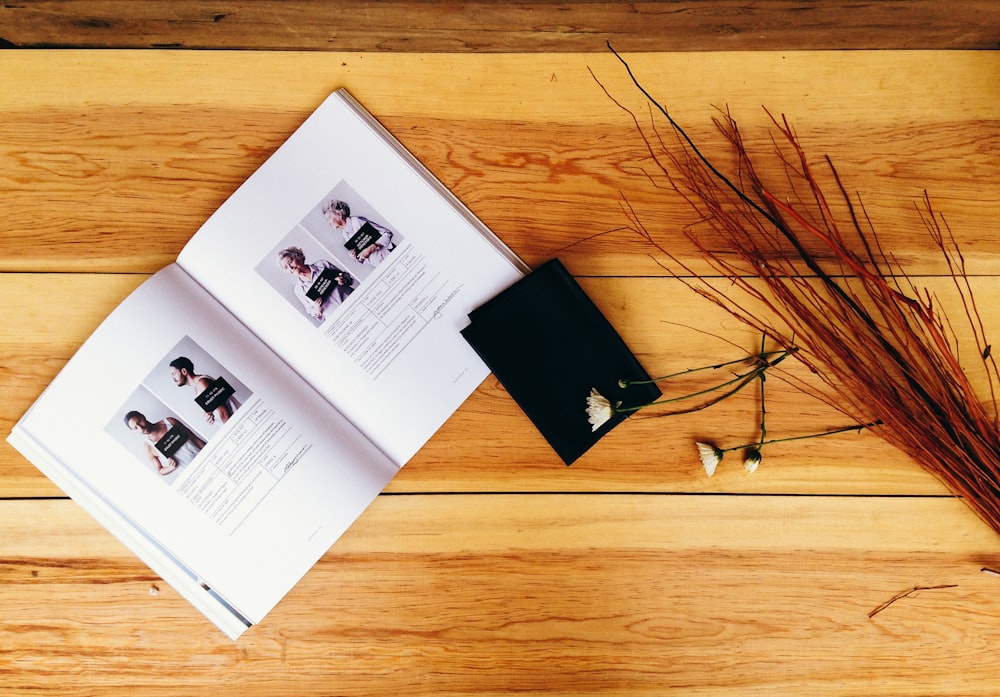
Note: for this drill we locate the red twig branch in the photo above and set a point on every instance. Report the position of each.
(906, 594)
(785, 252)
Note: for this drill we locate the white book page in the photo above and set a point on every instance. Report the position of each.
(174, 419)
(374, 327)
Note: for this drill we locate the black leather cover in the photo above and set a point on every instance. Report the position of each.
(548, 345)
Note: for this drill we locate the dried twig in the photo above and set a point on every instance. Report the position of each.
(879, 344)
(907, 593)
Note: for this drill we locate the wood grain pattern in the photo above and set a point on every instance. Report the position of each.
(495, 26)
(553, 595)
(139, 158)
(669, 327)
(488, 567)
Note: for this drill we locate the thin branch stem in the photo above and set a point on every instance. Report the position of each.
(855, 427)
(760, 358)
(763, 408)
(906, 594)
(741, 380)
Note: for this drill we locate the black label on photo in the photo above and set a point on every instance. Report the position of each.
(176, 437)
(365, 237)
(217, 394)
(323, 286)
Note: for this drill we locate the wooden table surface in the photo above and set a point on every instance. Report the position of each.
(487, 567)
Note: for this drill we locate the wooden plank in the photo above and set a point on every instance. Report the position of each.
(628, 573)
(493, 26)
(112, 160)
(548, 594)
(489, 445)
(38, 337)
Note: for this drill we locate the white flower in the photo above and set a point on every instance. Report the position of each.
(751, 460)
(710, 457)
(599, 409)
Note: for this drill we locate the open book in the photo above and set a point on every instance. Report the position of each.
(236, 413)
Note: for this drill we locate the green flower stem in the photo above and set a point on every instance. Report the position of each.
(741, 381)
(761, 358)
(763, 409)
(855, 427)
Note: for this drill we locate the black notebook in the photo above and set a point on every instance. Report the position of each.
(549, 345)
